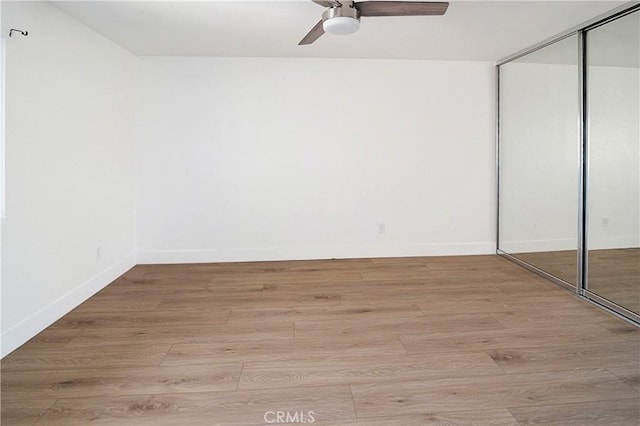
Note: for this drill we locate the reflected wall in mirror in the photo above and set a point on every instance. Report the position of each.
(539, 147)
(613, 189)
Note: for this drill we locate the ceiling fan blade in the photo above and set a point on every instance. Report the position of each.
(326, 3)
(401, 8)
(312, 35)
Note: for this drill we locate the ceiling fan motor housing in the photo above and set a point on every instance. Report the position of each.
(341, 20)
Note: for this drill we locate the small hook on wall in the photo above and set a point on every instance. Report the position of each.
(24, 33)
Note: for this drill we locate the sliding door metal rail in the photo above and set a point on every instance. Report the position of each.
(615, 13)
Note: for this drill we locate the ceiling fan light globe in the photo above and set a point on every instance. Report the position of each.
(341, 25)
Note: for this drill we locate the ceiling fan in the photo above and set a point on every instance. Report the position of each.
(343, 17)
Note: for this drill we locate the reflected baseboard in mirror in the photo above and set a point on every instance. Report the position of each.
(614, 274)
(561, 264)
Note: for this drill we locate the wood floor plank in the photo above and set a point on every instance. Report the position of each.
(317, 298)
(619, 328)
(350, 265)
(400, 272)
(477, 393)
(329, 404)
(417, 291)
(23, 413)
(269, 295)
(461, 418)
(308, 277)
(47, 384)
(51, 338)
(564, 357)
(341, 312)
(98, 356)
(487, 340)
(130, 300)
(124, 319)
(629, 374)
(525, 301)
(410, 326)
(470, 304)
(286, 350)
(197, 333)
(536, 317)
(159, 283)
(622, 412)
(261, 375)
(202, 301)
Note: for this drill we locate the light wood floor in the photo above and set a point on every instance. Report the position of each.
(416, 341)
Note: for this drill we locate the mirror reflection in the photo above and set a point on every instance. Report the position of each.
(539, 158)
(613, 195)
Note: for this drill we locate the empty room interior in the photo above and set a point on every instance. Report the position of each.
(328, 212)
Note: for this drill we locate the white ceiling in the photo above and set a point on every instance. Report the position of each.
(470, 30)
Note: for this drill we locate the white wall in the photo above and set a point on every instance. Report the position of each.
(539, 152)
(70, 168)
(2, 159)
(254, 159)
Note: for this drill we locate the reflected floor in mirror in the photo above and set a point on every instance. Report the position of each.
(613, 274)
(468, 340)
(561, 264)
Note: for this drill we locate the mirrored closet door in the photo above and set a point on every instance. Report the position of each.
(613, 146)
(569, 160)
(539, 159)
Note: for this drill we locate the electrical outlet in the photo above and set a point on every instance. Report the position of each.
(604, 221)
(382, 228)
(98, 253)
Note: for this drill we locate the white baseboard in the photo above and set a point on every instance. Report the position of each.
(311, 252)
(534, 246)
(615, 242)
(38, 321)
